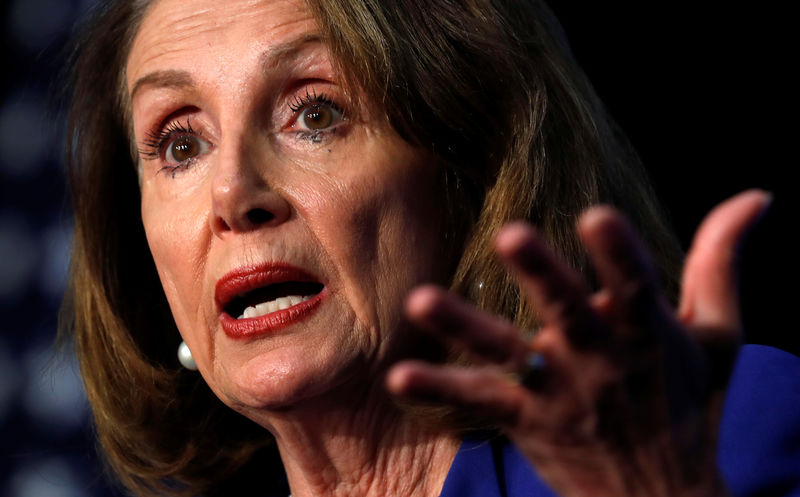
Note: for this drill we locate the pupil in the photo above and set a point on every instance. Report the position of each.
(184, 148)
(318, 117)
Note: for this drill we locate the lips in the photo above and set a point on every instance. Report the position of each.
(263, 299)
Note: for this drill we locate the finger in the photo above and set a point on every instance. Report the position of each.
(710, 300)
(497, 398)
(559, 294)
(452, 319)
(623, 266)
(489, 395)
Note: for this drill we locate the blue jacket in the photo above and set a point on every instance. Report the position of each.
(759, 449)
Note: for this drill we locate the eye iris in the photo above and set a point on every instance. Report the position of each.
(318, 117)
(185, 148)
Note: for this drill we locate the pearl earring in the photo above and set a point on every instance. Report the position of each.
(185, 357)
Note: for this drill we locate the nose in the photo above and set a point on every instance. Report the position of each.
(242, 198)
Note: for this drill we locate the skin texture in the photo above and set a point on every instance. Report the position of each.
(630, 398)
(352, 205)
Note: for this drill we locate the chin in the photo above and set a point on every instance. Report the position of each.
(289, 378)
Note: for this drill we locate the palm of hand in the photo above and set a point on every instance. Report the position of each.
(630, 399)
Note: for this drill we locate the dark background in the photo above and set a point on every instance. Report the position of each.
(702, 91)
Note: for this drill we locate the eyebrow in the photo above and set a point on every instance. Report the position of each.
(179, 79)
(163, 79)
(278, 55)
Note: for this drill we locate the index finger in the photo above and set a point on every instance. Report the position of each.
(560, 294)
(488, 337)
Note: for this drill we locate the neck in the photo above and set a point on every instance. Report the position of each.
(365, 448)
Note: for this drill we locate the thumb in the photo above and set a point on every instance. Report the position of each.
(710, 298)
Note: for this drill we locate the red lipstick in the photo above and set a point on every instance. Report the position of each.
(235, 288)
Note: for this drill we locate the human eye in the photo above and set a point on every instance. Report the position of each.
(177, 146)
(317, 116)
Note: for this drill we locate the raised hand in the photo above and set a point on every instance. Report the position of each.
(619, 394)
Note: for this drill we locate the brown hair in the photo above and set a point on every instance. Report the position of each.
(490, 88)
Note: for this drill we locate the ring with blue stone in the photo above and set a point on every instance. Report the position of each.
(533, 371)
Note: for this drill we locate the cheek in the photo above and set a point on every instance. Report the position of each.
(379, 229)
(178, 240)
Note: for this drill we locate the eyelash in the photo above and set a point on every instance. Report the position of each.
(153, 146)
(157, 141)
(311, 99)
(299, 102)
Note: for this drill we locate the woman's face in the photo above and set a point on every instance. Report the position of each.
(285, 231)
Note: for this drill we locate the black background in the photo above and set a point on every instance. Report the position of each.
(702, 90)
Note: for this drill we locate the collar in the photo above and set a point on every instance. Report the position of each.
(492, 468)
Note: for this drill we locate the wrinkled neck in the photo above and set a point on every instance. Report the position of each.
(367, 447)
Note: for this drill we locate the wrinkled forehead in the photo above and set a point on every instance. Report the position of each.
(199, 34)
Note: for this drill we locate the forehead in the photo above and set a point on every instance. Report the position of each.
(199, 35)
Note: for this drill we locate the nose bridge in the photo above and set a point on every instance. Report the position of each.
(243, 197)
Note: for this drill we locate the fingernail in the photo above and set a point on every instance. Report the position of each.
(766, 202)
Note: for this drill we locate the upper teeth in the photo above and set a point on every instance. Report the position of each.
(278, 304)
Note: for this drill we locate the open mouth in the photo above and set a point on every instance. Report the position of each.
(257, 300)
(272, 298)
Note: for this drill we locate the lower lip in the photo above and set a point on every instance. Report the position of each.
(269, 323)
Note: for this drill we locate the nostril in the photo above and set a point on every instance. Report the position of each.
(259, 216)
